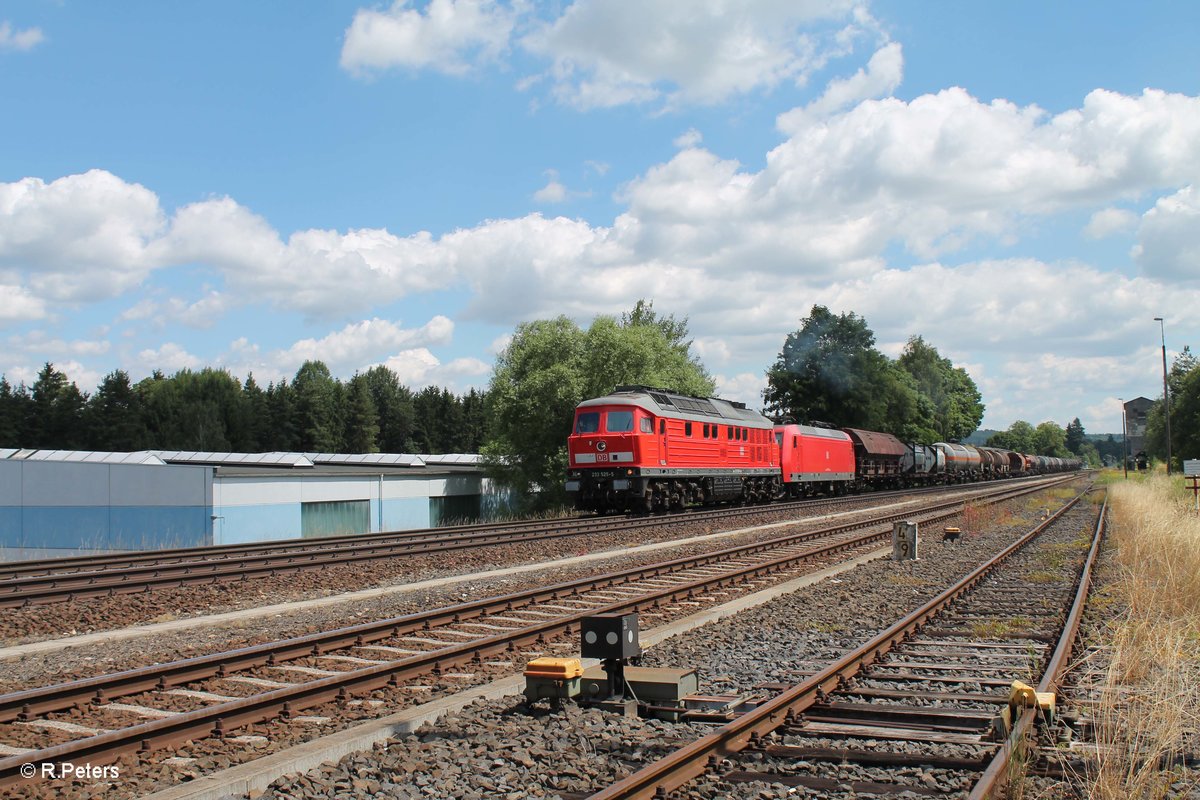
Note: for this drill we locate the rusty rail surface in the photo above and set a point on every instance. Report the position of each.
(221, 718)
(997, 773)
(61, 580)
(685, 764)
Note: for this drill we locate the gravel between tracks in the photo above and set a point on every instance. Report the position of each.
(79, 662)
(56, 620)
(777, 641)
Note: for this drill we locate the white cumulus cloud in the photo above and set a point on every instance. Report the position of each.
(1169, 237)
(81, 237)
(450, 36)
(13, 39)
(346, 350)
(1109, 221)
(879, 78)
(612, 52)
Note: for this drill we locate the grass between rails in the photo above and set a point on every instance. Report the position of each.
(1149, 715)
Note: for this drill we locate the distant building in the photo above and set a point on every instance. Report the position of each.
(1136, 412)
(58, 502)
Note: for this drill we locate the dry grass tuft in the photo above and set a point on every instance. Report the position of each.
(1150, 714)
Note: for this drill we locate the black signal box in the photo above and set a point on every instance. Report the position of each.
(610, 636)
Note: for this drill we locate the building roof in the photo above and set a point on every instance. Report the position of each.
(258, 463)
(144, 457)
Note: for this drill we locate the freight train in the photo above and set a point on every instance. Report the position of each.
(643, 450)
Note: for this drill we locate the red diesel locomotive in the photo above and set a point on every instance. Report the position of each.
(642, 449)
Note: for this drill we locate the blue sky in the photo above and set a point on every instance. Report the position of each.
(249, 185)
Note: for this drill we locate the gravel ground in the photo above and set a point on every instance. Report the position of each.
(79, 662)
(56, 620)
(775, 642)
(1091, 662)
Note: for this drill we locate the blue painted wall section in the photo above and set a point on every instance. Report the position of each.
(77, 506)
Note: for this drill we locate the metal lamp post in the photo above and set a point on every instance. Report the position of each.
(1124, 441)
(1166, 398)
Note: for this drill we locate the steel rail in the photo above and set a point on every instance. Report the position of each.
(998, 771)
(36, 590)
(222, 717)
(80, 565)
(680, 767)
(40, 701)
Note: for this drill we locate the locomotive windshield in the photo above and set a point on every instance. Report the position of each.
(587, 422)
(620, 421)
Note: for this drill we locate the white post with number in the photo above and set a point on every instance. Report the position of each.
(904, 541)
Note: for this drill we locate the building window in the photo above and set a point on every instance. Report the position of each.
(334, 518)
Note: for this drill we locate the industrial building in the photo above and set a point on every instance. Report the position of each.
(1136, 414)
(67, 502)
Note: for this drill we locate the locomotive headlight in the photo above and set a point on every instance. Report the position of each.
(601, 446)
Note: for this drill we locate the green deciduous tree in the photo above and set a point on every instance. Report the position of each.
(1049, 439)
(550, 366)
(1020, 437)
(830, 370)
(1183, 380)
(954, 397)
(202, 410)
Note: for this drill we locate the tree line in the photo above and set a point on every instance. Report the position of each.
(828, 370)
(1183, 386)
(212, 410)
(1051, 439)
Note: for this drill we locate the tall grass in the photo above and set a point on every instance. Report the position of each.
(1149, 714)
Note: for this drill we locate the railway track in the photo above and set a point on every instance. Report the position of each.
(99, 719)
(912, 710)
(64, 580)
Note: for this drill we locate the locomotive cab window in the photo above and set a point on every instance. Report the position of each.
(662, 427)
(620, 421)
(647, 425)
(588, 422)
